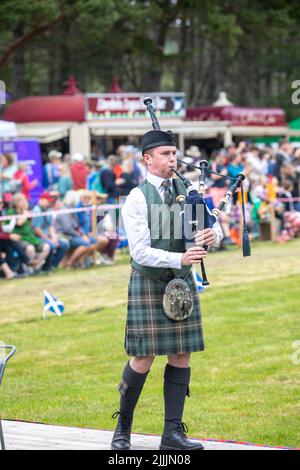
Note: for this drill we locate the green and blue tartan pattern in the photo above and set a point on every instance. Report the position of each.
(149, 332)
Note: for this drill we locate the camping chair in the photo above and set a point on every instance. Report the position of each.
(3, 363)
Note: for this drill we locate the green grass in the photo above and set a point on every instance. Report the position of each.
(244, 386)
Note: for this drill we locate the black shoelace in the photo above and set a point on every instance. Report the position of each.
(181, 426)
(125, 422)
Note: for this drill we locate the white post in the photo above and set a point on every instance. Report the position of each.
(227, 137)
(80, 140)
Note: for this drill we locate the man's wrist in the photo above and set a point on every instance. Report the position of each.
(216, 241)
(175, 260)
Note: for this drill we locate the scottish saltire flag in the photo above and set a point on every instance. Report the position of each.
(52, 305)
(198, 281)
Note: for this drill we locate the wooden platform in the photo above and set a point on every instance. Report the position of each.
(31, 436)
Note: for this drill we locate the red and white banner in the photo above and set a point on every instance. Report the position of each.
(130, 105)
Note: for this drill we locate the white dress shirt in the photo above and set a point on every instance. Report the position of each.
(135, 219)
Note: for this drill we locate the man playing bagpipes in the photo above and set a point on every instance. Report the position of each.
(163, 316)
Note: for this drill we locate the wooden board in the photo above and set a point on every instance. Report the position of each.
(31, 436)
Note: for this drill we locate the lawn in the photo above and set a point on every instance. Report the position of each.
(244, 387)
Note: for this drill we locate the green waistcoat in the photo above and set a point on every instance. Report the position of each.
(160, 226)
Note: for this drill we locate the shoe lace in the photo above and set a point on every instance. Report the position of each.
(184, 428)
(181, 426)
(116, 414)
(124, 421)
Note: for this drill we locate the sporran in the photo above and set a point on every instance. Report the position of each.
(178, 300)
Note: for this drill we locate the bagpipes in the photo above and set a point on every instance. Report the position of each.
(193, 205)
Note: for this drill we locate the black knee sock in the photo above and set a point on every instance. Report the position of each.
(130, 388)
(175, 390)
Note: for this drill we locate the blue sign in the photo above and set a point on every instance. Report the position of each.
(29, 153)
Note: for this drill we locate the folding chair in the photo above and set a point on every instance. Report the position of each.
(3, 363)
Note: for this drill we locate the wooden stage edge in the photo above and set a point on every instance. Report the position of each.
(32, 436)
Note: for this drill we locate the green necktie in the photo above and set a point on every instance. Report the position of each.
(168, 192)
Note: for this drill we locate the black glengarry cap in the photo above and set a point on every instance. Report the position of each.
(154, 139)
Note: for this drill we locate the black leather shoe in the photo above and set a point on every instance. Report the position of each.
(178, 440)
(121, 437)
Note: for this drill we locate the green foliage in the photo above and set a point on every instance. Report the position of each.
(14, 11)
(247, 47)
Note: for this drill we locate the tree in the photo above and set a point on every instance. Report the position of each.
(202, 47)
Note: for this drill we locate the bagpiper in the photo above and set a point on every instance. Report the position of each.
(163, 313)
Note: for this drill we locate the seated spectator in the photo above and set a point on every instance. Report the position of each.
(101, 241)
(68, 228)
(25, 184)
(6, 250)
(51, 171)
(45, 230)
(15, 256)
(8, 185)
(36, 250)
(264, 208)
(79, 172)
(4, 266)
(65, 182)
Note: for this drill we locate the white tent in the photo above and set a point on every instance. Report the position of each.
(8, 129)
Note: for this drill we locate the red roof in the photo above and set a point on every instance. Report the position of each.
(68, 107)
(61, 108)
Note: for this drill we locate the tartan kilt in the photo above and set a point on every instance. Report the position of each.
(149, 332)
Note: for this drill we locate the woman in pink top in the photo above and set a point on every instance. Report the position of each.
(26, 184)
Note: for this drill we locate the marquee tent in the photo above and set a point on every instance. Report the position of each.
(8, 130)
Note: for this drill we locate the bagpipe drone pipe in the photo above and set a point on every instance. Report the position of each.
(197, 216)
(195, 213)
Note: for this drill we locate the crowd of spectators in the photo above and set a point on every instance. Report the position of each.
(272, 187)
(42, 243)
